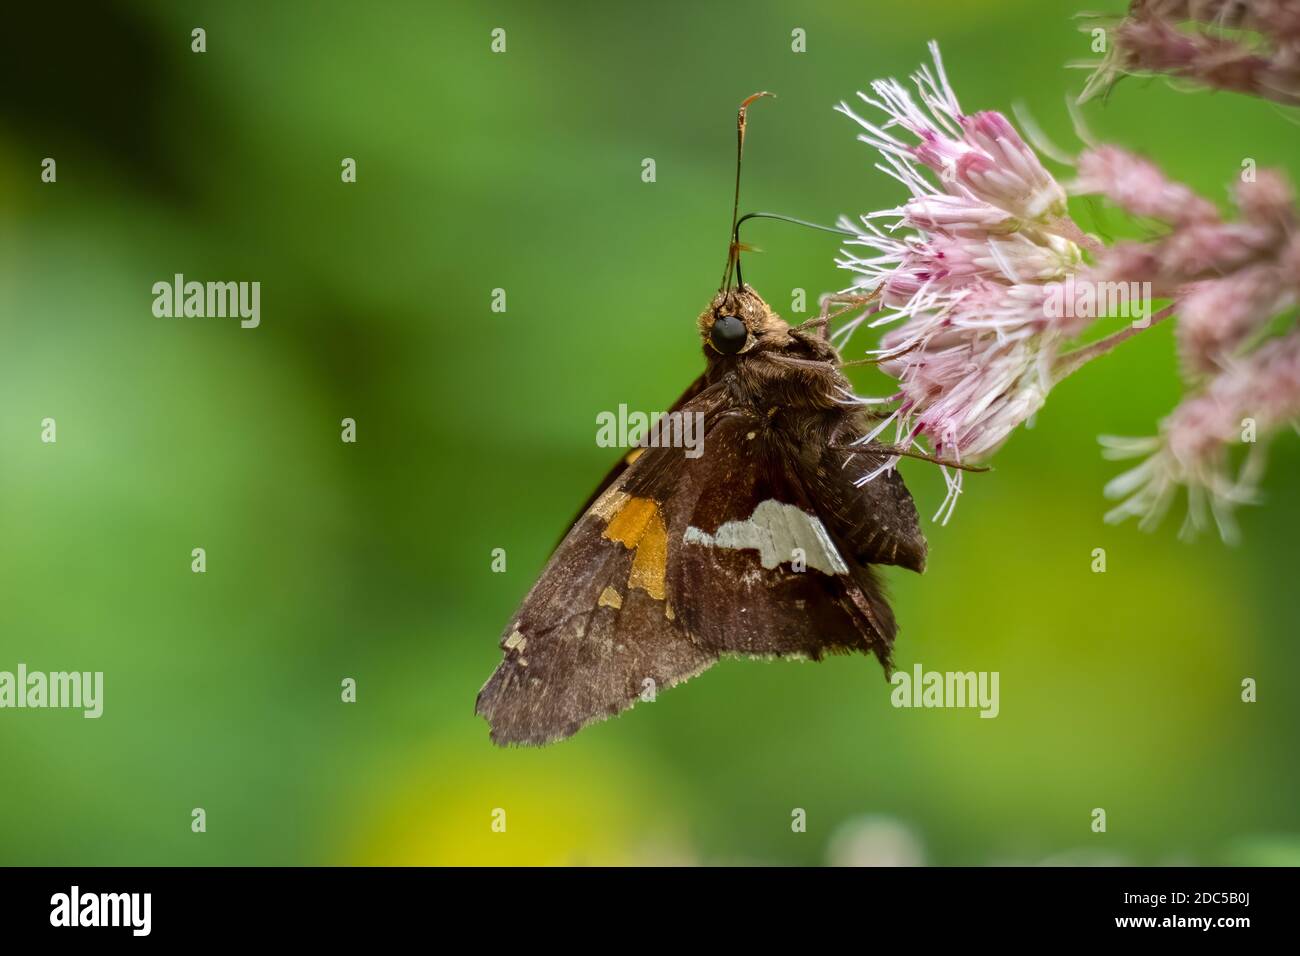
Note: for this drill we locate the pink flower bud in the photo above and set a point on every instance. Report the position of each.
(1004, 171)
(957, 216)
(1249, 400)
(1267, 201)
(1139, 187)
(1215, 316)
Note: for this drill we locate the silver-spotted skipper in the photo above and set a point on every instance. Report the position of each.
(761, 546)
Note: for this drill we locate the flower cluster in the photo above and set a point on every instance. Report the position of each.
(1255, 396)
(1229, 280)
(1249, 46)
(964, 270)
(974, 277)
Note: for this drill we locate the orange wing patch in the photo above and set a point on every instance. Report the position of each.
(637, 524)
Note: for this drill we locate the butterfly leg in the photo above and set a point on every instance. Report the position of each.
(843, 302)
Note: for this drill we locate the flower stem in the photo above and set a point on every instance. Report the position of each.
(1071, 362)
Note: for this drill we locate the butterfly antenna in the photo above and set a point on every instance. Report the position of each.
(738, 246)
(733, 244)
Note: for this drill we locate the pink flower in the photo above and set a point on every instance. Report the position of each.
(1268, 201)
(1005, 172)
(1254, 397)
(968, 396)
(955, 215)
(1288, 263)
(972, 343)
(1187, 39)
(978, 157)
(1228, 280)
(1226, 277)
(1216, 316)
(1139, 187)
(941, 262)
(1202, 245)
(1208, 249)
(982, 283)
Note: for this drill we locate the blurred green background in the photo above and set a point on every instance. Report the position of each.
(476, 431)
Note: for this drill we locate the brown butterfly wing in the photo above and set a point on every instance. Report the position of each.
(679, 561)
(876, 522)
(598, 628)
(620, 466)
(757, 572)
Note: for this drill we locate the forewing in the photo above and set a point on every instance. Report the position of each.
(620, 466)
(598, 630)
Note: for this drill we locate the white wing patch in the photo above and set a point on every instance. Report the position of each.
(774, 530)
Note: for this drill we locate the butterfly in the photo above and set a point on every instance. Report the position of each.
(763, 545)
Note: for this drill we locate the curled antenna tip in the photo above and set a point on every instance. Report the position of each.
(733, 250)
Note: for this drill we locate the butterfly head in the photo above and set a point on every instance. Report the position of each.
(738, 321)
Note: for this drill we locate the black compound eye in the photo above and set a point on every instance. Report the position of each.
(728, 334)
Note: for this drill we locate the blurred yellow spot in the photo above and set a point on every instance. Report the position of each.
(506, 808)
